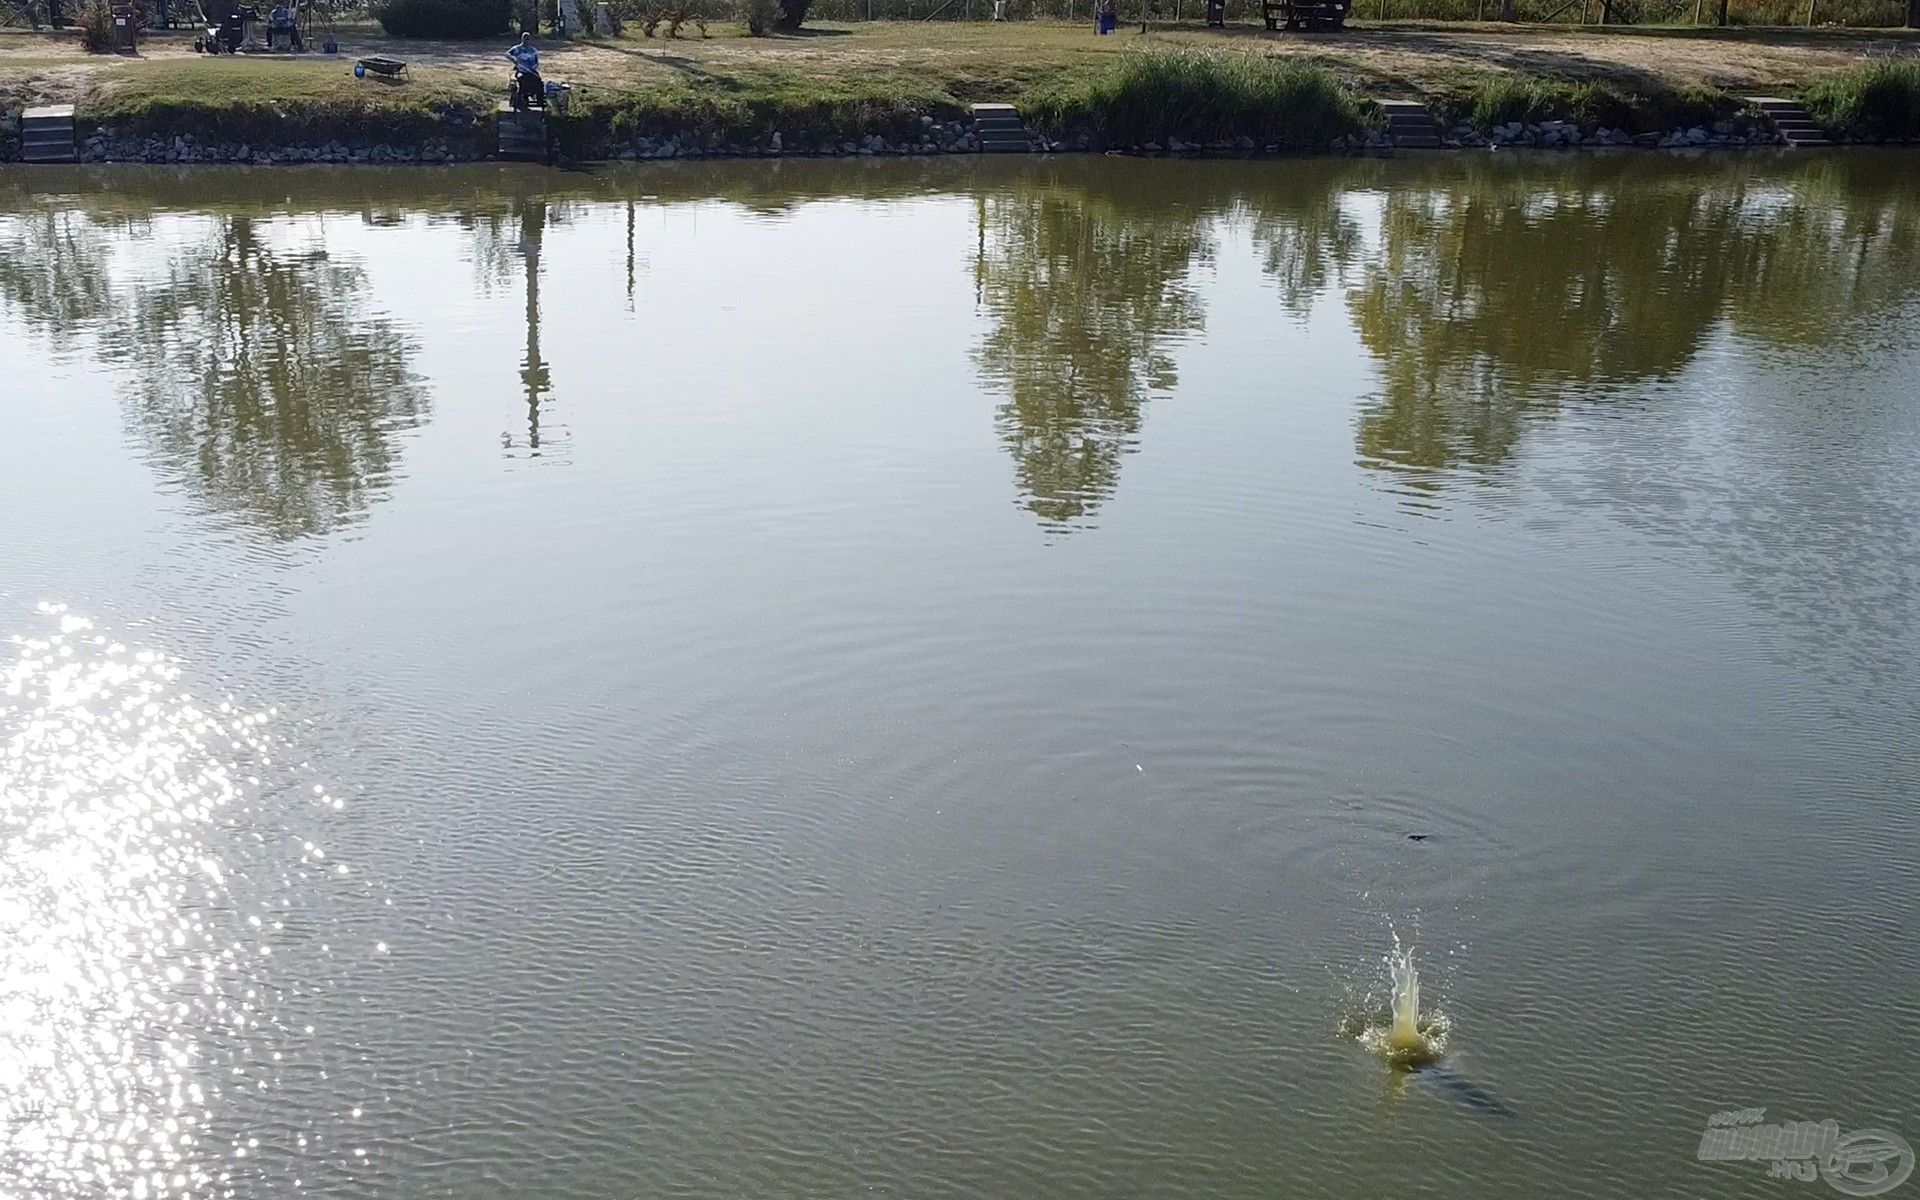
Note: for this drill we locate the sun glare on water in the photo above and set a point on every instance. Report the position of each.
(134, 982)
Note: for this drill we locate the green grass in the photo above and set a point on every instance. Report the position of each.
(1497, 99)
(842, 82)
(1198, 96)
(239, 100)
(804, 111)
(1881, 99)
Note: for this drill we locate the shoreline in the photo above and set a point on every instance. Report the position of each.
(889, 91)
(103, 145)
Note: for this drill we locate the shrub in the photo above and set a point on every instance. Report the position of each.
(1881, 99)
(443, 18)
(1498, 99)
(1197, 96)
(96, 26)
(760, 16)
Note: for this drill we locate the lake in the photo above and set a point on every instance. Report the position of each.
(948, 678)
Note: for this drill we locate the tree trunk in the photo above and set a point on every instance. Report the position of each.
(1507, 14)
(1723, 13)
(1913, 14)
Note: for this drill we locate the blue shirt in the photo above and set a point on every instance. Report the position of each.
(525, 57)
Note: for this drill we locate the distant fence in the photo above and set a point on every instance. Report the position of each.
(1864, 14)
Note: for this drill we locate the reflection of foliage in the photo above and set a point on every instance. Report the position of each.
(1491, 299)
(260, 383)
(54, 270)
(1087, 291)
(1306, 241)
(1484, 301)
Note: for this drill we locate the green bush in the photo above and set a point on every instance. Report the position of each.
(1196, 96)
(443, 18)
(1880, 100)
(1498, 99)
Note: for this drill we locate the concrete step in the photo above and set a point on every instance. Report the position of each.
(46, 134)
(1790, 120)
(999, 129)
(523, 134)
(1411, 125)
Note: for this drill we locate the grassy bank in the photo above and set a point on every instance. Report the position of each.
(838, 83)
(1653, 108)
(1880, 100)
(1192, 95)
(283, 102)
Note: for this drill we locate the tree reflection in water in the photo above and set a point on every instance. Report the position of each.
(260, 383)
(1089, 289)
(1501, 292)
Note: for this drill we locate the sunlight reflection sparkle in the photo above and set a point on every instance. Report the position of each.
(131, 991)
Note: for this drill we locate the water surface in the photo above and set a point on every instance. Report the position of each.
(925, 679)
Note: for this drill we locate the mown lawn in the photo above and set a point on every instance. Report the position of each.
(887, 69)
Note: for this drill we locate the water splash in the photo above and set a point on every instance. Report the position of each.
(1403, 1035)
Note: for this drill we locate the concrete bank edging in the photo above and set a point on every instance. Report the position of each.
(106, 145)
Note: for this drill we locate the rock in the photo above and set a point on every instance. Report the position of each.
(1697, 135)
(776, 143)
